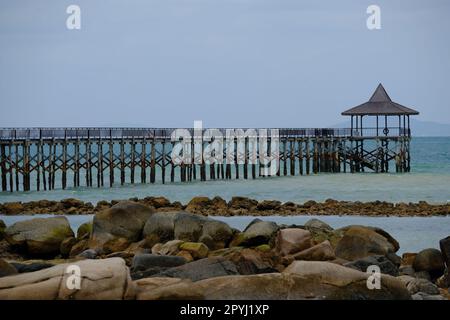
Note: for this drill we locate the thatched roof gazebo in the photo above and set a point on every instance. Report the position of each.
(380, 104)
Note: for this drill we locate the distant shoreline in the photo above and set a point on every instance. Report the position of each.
(237, 206)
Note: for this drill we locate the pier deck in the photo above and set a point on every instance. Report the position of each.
(49, 158)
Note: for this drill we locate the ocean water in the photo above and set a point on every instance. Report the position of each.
(429, 180)
(413, 233)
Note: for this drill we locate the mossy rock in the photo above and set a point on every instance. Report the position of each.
(39, 236)
(198, 250)
(263, 247)
(85, 230)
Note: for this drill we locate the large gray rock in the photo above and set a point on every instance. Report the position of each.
(201, 269)
(106, 279)
(360, 242)
(259, 232)
(145, 265)
(429, 260)
(39, 236)
(125, 220)
(386, 266)
(317, 225)
(188, 227)
(162, 225)
(216, 234)
(346, 282)
(302, 280)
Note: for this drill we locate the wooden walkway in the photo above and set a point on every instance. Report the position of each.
(52, 158)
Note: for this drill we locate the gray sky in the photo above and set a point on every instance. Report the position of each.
(230, 63)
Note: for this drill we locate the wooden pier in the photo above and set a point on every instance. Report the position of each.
(54, 158)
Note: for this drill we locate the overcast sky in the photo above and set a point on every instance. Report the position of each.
(230, 63)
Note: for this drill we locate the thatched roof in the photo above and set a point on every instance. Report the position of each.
(380, 104)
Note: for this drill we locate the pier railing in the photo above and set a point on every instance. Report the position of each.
(165, 133)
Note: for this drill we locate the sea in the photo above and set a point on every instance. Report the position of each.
(429, 180)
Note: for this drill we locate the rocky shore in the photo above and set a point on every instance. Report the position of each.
(132, 250)
(235, 207)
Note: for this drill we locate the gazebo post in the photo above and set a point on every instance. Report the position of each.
(409, 128)
(385, 126)
(377, 125)
(351, 126)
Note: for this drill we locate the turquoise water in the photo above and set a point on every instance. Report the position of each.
(429, 181)
(413, 233)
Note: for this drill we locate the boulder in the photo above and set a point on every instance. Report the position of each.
(84, 231)
(158, 202)
(72, 203)
(408, 258)
(194, 228)
(199, 205)
(242, 203)
(430, 260)
(359, 242)
(444, 280)
(106, 279)
(248, 261)
(164, 288)
(259, 232)
(216, 234)
(406, 270)
(23, 267)
(320, 252)
(66, 246)
(6, 269)
(39, 236)
(186, 255)
(115, 245)
(161, 224)
(381, 232)
(321, 231)
(339, 282)
(197, 250)
(444, 244)
(303, 280)
(317, 225)
(292, 240)
(145, 265)
(201, 269)
(188, 227)
(78, 248)
(168, 248)
(125, 219)
(386, 266)
(421, 285)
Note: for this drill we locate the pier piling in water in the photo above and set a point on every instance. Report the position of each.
(45, 159)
